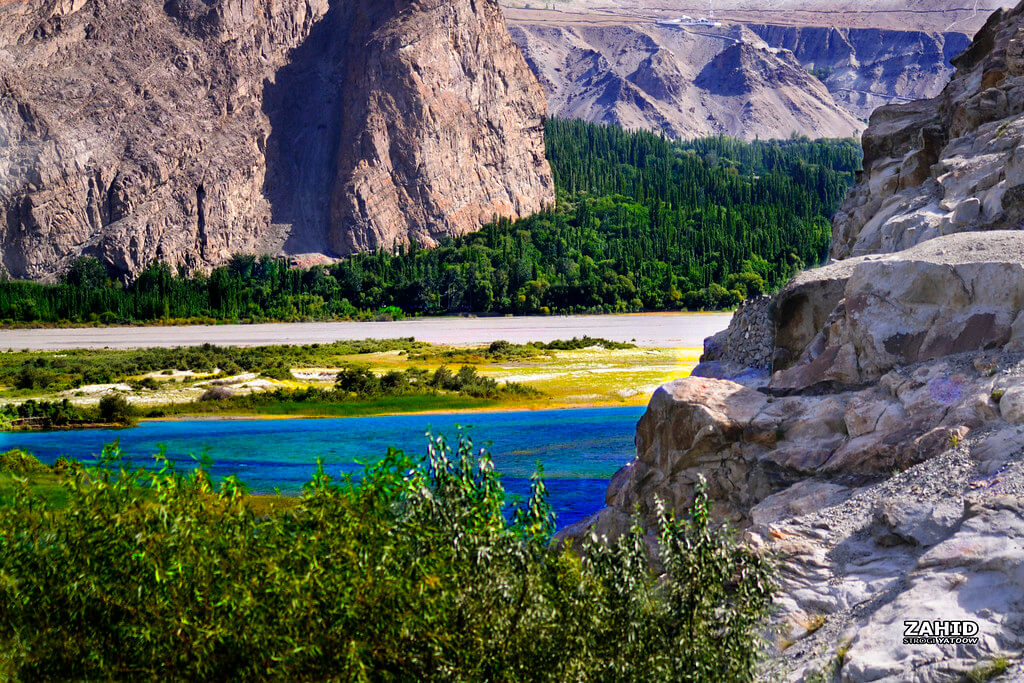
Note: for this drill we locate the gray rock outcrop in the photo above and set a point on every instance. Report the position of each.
(954, 163)
(194, 129)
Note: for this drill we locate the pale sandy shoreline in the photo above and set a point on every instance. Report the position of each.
(659, 330)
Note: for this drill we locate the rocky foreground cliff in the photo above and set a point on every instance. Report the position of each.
(194, 129)
(866, 424)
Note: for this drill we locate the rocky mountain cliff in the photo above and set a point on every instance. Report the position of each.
(685, 83)
(867, 68)
(945, 165)
(744, 80)
(866, 424)
(194, 129)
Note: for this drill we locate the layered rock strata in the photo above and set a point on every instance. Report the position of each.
(191, 130)
(867, 68)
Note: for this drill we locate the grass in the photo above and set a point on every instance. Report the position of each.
(388, 405)
(44, 485)
(168, 382)
(988, 670)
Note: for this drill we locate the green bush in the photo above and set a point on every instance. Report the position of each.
(358, 380)
(32, 377)
(278, 372)
(416, 572)
(47, 414)
(19, 462)
(115, 409)
(145, 383)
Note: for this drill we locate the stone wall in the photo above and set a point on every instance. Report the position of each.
(750, 338)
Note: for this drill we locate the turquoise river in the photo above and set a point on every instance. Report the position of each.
(579, 449)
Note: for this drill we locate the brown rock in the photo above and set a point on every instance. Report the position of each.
(192, 130)
(958, 293)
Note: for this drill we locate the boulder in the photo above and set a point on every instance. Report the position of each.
(914, 523)
(957, 293)
(767, 458)
(1011, 404)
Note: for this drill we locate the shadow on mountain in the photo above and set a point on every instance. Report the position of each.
(304, 107)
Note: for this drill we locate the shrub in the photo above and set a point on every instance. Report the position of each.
(278, 372)
(32, 377)
(65, 467)
(443, 378)
(358, 380)
(47, 414)
(416, 572)
(217, 394)
(116, 409)
(499, 347)
(19, 462)
(395, 382)
(145, 383)
(585, 342)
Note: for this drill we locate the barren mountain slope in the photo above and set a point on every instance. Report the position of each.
(914, 15)
(867, 68)
(687, 83)
(194, 129)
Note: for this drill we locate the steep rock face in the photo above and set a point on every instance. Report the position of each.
(425, 153)
(132, 130)
(192, 130)
(687, 83)
(950, 164)
(866, 68)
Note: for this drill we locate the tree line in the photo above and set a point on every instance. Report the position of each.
(641, 222)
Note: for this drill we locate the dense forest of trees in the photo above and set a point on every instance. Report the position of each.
(641, 223)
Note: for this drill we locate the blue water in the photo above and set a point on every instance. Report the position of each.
(579, 449)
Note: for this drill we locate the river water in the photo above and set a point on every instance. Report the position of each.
(579, 449)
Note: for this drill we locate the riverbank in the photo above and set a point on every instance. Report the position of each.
(287, 381)
(578, 449)
(652, 330)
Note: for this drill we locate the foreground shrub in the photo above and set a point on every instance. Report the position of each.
(416, 572)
